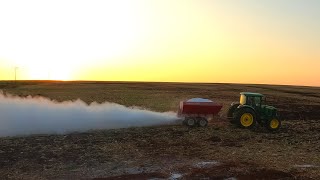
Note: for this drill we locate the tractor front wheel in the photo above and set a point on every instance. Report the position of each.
(273, 124)
(246, 118)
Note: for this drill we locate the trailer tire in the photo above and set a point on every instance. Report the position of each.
(184, 122)
(203, 122)
(191, 122)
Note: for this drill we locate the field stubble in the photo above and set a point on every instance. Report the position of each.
(161, 152)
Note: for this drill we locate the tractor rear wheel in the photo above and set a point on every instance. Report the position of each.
(203, 122)
(245, 118)
(273, 124)
(191, 122)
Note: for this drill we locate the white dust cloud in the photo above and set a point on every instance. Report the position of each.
(38, 115)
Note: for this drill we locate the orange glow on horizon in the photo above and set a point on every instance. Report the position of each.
(161, 40)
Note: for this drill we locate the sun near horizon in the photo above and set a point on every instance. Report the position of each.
(239, 41)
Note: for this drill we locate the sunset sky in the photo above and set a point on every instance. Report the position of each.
(238, 41)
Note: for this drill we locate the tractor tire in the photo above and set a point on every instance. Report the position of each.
(231, 112)
(202, 122)
(273, 124)
(191, 122)
(245, 118)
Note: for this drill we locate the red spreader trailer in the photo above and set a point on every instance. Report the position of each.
(198, 113)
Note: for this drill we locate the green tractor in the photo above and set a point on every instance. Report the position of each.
(252, 109)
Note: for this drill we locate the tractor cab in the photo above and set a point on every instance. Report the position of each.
(252, 99)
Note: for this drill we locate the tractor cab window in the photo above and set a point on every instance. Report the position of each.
(257, 101)
(243, 99)
(254, 101)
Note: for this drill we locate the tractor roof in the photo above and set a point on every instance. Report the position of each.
(251, 94)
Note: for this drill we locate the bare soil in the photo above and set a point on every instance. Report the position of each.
(219, 151)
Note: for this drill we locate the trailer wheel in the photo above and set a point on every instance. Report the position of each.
(203, 122)
(190, 122)
(184, 122)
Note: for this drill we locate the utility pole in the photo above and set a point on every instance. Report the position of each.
(15, 73)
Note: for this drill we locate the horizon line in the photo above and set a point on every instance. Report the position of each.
(179, 82)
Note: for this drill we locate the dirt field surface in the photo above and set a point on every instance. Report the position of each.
(219, 151)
